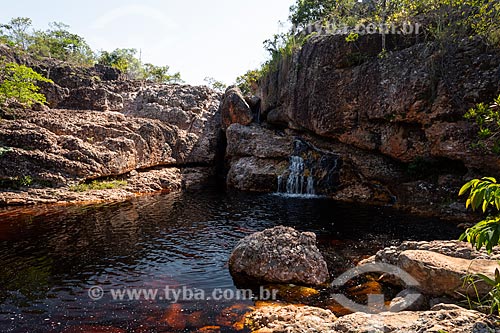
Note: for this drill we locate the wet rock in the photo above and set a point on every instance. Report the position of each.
(234, 109)
(255, 175)
(233, 316)
(291, 319)
(279, 255)
(446, 318)
(193, 110)
(291, 293)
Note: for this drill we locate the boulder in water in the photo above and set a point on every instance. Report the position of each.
(279, 255)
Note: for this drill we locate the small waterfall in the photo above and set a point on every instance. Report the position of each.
(297, 182)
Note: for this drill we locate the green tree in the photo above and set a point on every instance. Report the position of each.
(18, 82)
(160, 74)
(215, 84)
(487, 118)
(248, 82)
(16, 32)
(124, 60)
(58, 43)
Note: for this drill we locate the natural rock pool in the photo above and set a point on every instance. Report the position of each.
(50, 257)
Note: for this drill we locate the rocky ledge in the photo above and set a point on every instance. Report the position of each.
(298, 319)
(101, 128)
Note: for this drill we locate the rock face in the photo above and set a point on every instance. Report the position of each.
(396, 122)
(442, 318)
(279, 255)
(234, 109)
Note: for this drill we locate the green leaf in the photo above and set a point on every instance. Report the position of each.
(465, 188)
(486, 279)
(490, 179)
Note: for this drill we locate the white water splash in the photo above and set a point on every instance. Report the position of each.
(297, 184)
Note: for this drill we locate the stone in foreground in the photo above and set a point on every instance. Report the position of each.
(440, 267)
(291, 319)
(441, 318)
(279, 255)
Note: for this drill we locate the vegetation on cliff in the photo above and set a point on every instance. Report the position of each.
(445, 21)
(18, 83)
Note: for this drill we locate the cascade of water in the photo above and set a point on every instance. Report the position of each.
(297, 182)
(310, 185)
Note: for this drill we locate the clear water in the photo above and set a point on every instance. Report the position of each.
(49, 257)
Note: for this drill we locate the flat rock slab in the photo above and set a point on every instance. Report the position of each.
(442, 318)
(441, 275)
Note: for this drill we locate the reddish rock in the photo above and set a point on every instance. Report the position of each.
(234, 109)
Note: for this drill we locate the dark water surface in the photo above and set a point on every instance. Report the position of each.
(48, 262)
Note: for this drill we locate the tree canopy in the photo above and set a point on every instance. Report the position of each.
(58, 42)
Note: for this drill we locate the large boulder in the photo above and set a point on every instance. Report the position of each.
(234, 109)
(279, 255)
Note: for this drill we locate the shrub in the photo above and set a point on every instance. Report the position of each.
(483, 194)
(18, 82)
(215, 84)
(487, 118)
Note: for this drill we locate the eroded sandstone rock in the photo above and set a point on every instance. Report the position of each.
(291, 319)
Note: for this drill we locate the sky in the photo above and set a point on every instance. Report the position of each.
(214, 38)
